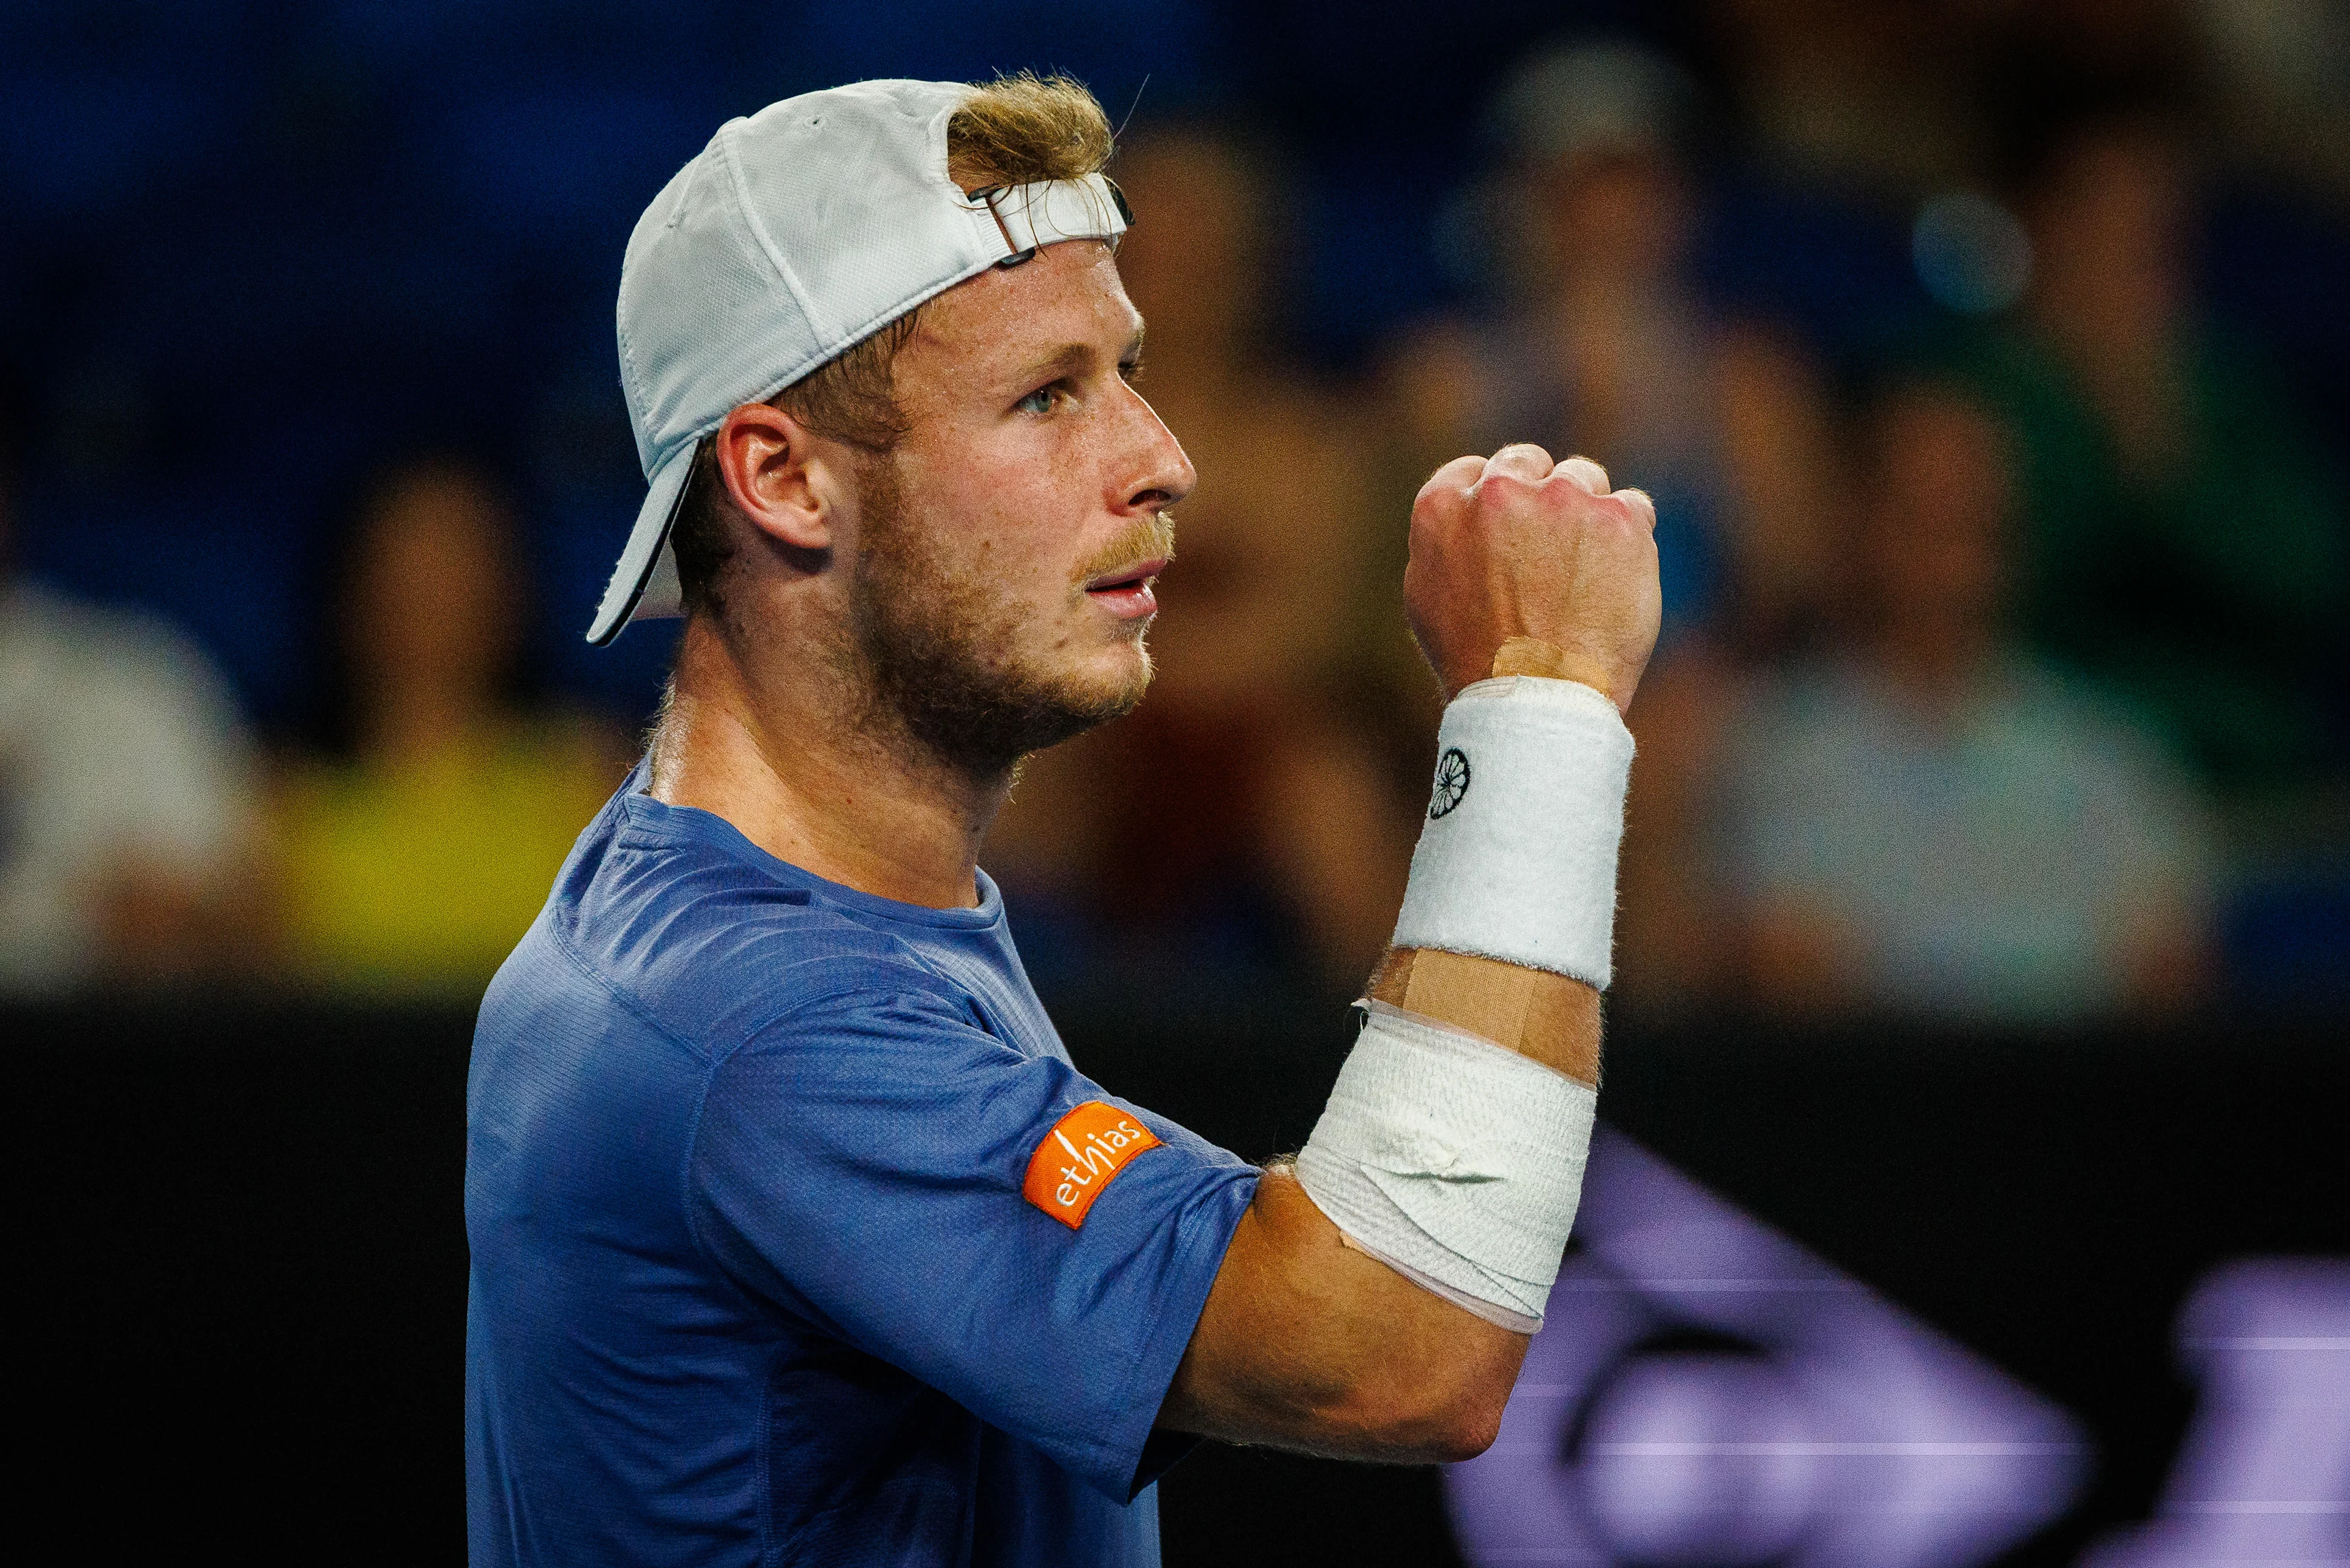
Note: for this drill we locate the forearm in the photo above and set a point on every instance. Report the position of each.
(1377, 1305)
(1549, 1017)
(1321, 1336)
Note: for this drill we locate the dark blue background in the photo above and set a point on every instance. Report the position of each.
(250, 250)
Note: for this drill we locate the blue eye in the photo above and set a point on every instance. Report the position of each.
(1039, 401)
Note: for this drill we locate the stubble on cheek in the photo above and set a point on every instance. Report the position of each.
(940, 638)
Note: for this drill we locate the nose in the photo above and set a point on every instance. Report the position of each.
(1156, 475)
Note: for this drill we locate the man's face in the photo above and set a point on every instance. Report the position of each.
(1006, 548)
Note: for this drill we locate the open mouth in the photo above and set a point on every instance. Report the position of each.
(1126, 591)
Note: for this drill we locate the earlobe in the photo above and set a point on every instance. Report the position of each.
(774, 476)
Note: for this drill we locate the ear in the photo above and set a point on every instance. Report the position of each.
(781, 475)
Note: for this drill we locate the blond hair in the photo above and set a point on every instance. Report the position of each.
(1016, 129)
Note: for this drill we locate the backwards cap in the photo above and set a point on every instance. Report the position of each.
(795, 234)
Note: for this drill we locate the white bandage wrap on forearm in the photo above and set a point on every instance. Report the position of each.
(1454, 1160)
(1517, 858)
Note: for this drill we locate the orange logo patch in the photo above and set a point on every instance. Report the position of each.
(1079, 1156)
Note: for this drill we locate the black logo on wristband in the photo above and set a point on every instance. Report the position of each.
(1451, 783)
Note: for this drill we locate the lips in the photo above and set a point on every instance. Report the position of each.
(1124, 592)
(1138, 576)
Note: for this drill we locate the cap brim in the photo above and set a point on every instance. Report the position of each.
(644, 585)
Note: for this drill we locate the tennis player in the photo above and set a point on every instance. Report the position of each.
(797, 1236)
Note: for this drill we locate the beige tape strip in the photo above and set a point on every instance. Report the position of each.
(1534, 1012)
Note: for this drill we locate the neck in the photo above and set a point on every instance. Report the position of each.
(792, 751)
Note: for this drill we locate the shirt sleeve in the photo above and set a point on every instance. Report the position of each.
(861, 1164)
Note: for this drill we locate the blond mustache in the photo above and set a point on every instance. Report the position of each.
(1139, 541)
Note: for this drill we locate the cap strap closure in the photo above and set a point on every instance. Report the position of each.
(1031, 216)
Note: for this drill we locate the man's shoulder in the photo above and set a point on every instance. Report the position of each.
(700, 946)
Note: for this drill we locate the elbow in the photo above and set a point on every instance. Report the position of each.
(1432, 1420)
(1469, 1426)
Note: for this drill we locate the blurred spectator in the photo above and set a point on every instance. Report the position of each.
(2036, 52)
(415, 862)
(1674, 942)
(2280, 73)
(1602, 346)
(1853, 96)
(2185, 544)
(1243, 811)
(1934, 823)
(125, 797)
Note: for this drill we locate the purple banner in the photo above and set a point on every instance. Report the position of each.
(1706, 1392)
(2264, 1475)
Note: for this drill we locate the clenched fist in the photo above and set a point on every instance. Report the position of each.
(1512, 546)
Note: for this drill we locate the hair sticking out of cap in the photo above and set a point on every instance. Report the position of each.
(1024, 128)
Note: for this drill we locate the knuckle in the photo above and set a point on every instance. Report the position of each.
(1560, 490)
(1453, 480)
(1433, 504)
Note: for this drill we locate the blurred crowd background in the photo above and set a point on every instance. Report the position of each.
(1989, 361)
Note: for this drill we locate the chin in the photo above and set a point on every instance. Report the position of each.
(1106, 687)
(1125, 676)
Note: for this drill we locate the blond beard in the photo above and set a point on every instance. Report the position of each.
(937, 648)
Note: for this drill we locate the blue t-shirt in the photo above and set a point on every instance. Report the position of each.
(766, 1266)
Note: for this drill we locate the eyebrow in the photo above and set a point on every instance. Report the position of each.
(1074, 356)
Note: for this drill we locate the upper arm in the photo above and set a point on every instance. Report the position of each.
(1306, 1342)
(861, 1167)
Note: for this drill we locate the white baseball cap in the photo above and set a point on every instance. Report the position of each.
(796, 233)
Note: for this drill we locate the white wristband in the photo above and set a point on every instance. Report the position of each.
(1456, 1161)
(1517, 858)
